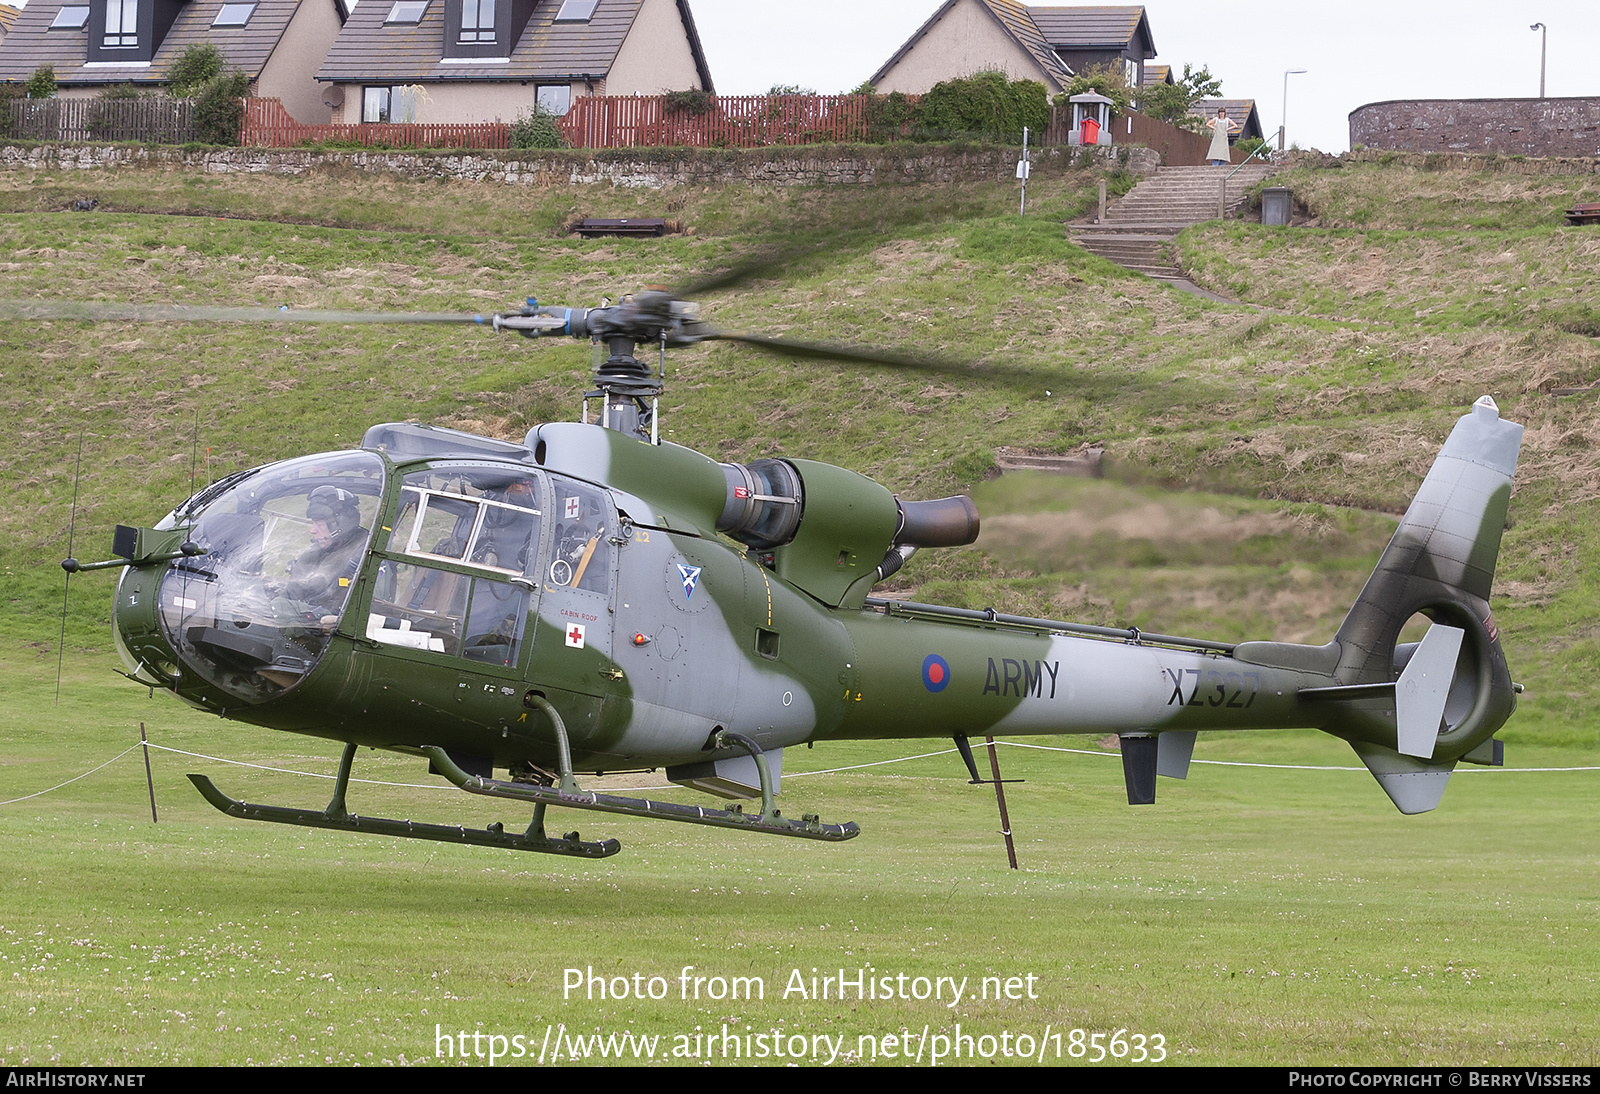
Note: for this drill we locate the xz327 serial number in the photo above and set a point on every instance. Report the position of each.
(1212, 688)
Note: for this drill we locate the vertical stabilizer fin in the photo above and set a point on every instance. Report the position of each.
(1443, 554)
(1413, 785)
(1139, 767)
(1420, 695)
(1173, 751)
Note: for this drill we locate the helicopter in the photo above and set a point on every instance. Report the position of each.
(596, 599)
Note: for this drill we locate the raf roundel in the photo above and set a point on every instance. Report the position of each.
(935, 673)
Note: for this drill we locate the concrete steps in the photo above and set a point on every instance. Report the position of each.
(1138, 229)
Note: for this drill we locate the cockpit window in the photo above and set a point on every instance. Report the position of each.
(283, 547)
(477, 516)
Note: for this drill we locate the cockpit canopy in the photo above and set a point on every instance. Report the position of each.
(283, 548)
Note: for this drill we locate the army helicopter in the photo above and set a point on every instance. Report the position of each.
(598, 599)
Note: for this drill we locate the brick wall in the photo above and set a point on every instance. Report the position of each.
(1518, 127)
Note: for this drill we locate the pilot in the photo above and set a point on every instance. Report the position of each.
(509, 534)
(320, 579)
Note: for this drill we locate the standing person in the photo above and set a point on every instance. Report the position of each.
(1218, 152)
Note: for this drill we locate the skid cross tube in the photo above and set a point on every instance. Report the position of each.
(808, 827)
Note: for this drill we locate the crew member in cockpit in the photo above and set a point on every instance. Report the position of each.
(320, 579)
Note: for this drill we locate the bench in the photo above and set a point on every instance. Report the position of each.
(597, 226)
(1584, 214)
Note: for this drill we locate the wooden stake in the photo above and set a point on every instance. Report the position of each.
(150, 782)
(1000, 796)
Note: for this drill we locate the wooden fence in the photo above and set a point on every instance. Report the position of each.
(732, 121)
(158, 121)
(268, 125)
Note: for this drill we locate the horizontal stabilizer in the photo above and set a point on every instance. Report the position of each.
(1173, 751)
(1420, 694)
(1414, 786)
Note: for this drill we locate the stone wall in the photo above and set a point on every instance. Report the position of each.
(629, 167)
(1519, 127)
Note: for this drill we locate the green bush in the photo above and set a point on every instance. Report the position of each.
(539, 129)
(219, 108)
(1108, 80)
(121, 93)
(887, 115)
(1171, 103)
(694, 101)
(195, 67)
(42, 84)
(10, 93)
(987, 105)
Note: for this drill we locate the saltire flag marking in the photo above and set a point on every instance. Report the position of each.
(691, 578)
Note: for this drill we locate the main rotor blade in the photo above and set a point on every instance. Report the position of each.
(196, 313)
(824, 351)
(832, 352)
(768, 260)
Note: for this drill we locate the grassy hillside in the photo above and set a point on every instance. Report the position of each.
(1259, 453)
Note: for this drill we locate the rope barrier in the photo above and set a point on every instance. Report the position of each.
(792, 775)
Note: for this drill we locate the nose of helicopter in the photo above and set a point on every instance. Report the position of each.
(253, 614)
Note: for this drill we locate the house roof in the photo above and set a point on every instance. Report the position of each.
(8, 18)
(1125, 29)
(1018, 23)
(31, 43)
(1242, 111)
(547, 50)
(1157, 74)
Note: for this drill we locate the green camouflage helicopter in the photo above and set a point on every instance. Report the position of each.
(596, 599)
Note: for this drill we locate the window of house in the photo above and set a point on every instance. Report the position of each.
(477, 20)
(234, 15)
(122, 23)
(396, 103)
(576, 11)
(407, 11)
(554, 98)
(70, 19)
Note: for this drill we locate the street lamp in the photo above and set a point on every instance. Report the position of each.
(1282, 129)
(1544, 32)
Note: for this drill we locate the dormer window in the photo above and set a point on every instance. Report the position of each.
(406, 12)
(122, 24)
(234, 15)
(576, 11)
(477, 21)
(70, 19)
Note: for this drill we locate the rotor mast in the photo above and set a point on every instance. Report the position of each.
(629, 390)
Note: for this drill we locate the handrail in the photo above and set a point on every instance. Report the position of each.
(1246, 160)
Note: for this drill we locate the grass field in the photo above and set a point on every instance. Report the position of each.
(1254, 915)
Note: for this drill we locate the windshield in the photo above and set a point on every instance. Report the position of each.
(283, 547)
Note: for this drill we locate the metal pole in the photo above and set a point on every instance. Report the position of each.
(1544, 32)
(1284, 128)
(1101, 218)
(1000, 796)
(149, 780)
(1022, 210)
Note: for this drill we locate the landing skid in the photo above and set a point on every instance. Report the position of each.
(769, 821)
(567, 795)
(336, 817)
